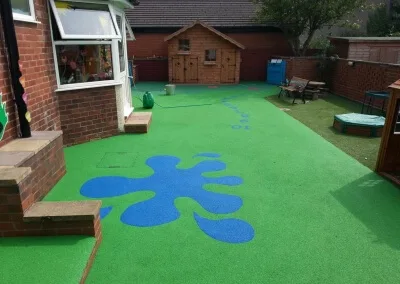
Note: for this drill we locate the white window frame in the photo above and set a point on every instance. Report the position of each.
(114, 51)
(85, 37)
(26, 18)
(130, 36)
(87, 85)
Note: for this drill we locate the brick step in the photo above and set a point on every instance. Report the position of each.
(138, 122)
(17, 218)
(68, 218)
(63, 211)
(29, 168)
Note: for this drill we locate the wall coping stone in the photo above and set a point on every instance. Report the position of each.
(13, 176)
(13, 158)
(38, 141)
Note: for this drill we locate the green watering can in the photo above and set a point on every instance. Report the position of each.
(148, 100)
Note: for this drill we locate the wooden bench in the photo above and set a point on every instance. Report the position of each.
(295, 88)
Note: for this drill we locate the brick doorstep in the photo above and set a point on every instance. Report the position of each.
(138, 122)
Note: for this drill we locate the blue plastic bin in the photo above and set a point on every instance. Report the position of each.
(276, 71)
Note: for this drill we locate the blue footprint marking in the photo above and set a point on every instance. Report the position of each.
(244, 116)
(169, 183)
(208, 155)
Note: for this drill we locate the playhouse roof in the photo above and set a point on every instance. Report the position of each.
(179, 13)
(231, 40)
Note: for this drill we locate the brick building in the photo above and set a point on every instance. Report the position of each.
(200, 54)
(76, 78)
(375, 49)
(67, 62)
(154, 20)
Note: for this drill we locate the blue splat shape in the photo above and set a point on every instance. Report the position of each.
(208, 155)
(169, 183)
(105, 211)
(227, 230)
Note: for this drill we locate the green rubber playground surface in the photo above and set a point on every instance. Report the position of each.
(44, 259)
(227, 188)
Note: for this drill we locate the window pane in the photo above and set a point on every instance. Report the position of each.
(121, 45)
(184, 45)
(21, 7)
(211, 55)
(84, 63)
(79, 18)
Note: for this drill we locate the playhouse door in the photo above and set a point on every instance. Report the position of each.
(178, 69)
(228, 66)
(125, 88)
(191, 69)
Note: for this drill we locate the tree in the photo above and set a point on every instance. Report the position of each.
(298, 17)
(383, 21)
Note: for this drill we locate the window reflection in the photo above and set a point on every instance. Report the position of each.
(84, 63)
(79, 18)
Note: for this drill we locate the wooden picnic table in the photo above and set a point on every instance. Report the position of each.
(314, 89)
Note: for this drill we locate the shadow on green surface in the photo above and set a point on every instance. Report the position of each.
(376, 203)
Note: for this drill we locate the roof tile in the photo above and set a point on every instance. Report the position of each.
(175, 13)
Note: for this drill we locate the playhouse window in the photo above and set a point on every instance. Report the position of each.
(211, 55)
(78, 20)
(84, 63)
(184, 45)
(23, 10)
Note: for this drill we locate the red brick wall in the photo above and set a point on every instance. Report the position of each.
(260, 47)
(353, 81)
(303, 67)
(88, 114)
(152, 69)
(48, 167)
(148, 45)
(200, 40)
(36, 56)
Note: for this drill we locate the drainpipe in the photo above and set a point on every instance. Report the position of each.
(13, 65)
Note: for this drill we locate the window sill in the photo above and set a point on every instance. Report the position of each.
(210, 63)
(25, 19)
(183, 52)
(87, 86)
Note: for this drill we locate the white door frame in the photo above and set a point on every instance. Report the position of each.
(123, 91)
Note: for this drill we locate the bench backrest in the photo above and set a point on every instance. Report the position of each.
(299, 83)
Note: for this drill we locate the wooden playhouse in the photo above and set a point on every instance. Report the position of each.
(199, 54)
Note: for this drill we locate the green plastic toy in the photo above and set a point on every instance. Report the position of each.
(148, 100)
